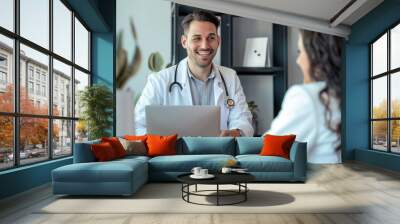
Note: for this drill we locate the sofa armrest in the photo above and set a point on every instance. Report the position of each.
(298, 155)
(83, 152)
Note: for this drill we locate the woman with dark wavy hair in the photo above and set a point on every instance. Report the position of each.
(311, 110)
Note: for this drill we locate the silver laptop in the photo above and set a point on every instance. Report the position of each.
(183, 120)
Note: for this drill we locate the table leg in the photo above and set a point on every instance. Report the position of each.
(188, 190)
(196, 188)
(182, 190)
(245, 191)
(217, 194)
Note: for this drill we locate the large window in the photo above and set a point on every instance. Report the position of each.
(385, 91)
(44, 64)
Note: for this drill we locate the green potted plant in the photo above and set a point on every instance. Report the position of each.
(96, 102)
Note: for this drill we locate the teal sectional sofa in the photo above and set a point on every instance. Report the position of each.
(125, 176)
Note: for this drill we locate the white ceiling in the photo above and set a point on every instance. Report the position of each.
(320, 9)
(306, 14)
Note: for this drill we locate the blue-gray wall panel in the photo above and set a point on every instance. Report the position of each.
(356, 98)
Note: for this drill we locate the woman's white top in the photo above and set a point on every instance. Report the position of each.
(303, 114)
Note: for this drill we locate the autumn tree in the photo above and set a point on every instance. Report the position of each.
(380, 127)
(33, 130)
(396, 123)
(81, 129)
(6, 122)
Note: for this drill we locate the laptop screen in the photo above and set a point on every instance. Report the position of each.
(183, 120)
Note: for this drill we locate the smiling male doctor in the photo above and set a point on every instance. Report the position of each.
(196, 80)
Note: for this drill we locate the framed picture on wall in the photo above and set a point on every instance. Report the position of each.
(255, 53)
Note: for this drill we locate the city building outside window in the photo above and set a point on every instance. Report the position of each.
(30, 72)
(30, 87)
(37, 75)
(3, 61)
(44, 77)
(3, 72)
(38, 89)
(3, 78)
(43, 90)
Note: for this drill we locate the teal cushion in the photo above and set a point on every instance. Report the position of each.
(111, 171)
(208, 145)
(185, 163)
(257, 163)
(133, 158)
(249, 145)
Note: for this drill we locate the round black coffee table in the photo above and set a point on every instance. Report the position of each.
(238, 179)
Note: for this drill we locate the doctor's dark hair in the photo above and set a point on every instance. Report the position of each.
(202, 16)
(325, 55)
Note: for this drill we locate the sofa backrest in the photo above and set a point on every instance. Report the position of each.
(207, 145)
(185, 145)
(248, 145)
(193, 146)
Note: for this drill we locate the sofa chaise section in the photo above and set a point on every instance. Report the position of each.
(87, 177)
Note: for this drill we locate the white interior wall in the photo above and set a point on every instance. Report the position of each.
(261, 11)
(260, 89)
(294, 73)
(152, 20)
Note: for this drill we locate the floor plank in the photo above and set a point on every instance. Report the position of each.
(376, 189)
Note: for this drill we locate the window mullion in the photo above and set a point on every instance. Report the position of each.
(50, 81)
(73, 82)
(371, 145)
(16, 84)
(388, 94)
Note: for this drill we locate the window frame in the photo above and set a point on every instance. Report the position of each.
(388, 74)
(16, 114)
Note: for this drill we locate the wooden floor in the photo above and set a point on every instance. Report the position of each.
(377, 188)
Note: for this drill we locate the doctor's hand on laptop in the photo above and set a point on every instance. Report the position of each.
(230, 133)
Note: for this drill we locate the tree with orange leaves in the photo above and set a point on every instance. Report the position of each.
(380, 127)
(33, 130)
(6, 122)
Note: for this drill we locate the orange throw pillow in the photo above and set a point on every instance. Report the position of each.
(136, 137)
(116, 145)
(103, 151)
(161, 145)
(275, 145)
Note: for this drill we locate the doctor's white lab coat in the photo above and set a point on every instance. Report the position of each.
(156, 92)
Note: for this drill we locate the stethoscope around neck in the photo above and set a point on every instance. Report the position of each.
(230, 103)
